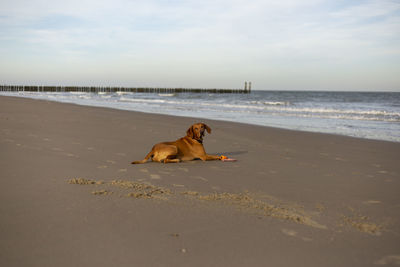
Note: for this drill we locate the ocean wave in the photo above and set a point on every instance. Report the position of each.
(271, 103)
(138, 100)
(122, 93)
(272, 108)
(340, 117)
(158, 101)
(84, 97)
(78, 93)
(344, 111)
(166, 95)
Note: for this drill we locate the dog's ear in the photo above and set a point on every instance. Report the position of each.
(190, 132)
(207, 128)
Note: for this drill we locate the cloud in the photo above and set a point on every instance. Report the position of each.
(367, 9)
(204, 39)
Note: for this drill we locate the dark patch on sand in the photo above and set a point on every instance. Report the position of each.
(83, 181)
(140, 190)
(246, 201)
(250, 202)
(102, 192)
(362, 224)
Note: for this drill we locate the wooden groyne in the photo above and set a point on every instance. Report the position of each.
(92, 89)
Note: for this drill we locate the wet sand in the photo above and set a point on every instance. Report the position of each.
(70, 197)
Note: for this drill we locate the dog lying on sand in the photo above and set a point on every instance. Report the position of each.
(187, 148)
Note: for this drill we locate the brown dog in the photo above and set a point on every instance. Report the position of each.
(186, 148)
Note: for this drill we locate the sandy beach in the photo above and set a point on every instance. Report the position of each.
(70, 197)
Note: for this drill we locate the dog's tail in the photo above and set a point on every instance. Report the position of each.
(145, 158)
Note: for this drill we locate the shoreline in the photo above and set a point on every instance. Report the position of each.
(213, 119)
(70, 197)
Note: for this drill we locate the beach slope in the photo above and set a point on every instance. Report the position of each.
(70, 197)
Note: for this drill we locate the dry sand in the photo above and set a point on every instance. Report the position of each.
(69, 196)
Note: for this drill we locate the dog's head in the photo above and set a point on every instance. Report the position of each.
(196, 131)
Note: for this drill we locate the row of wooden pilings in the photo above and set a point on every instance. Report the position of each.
(25, 88)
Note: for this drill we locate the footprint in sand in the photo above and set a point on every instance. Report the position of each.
(155, 176)
(56, 149)
(293, 233)
(320, 208)
(372, 202)
(122, 170)
(144, 170)
(111, 161)
(199, 178)
(184, 169)
(389, 259)
(289, 232)
(102, 167)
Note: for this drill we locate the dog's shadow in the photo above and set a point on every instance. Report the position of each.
(233, 153)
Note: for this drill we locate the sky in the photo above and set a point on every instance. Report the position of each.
(277, 45)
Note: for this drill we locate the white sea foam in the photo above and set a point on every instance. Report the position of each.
(271, 103)
(166, 95)
(74, 93)
(122, 93)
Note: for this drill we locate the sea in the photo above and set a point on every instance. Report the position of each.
(370, 115)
